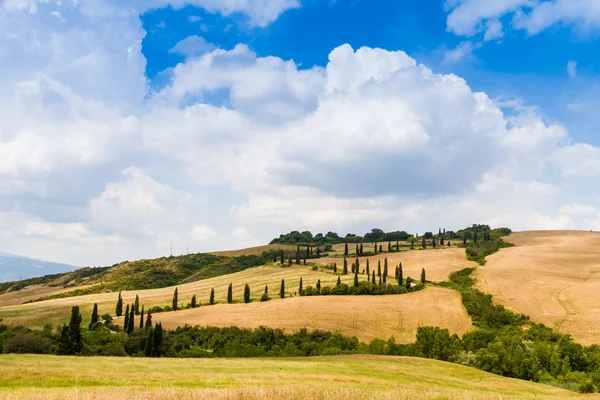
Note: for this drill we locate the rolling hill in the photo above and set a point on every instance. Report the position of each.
(13, 267)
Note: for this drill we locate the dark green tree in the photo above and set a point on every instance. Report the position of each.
(373, 277)
(353, 267)
(357, 262)
(319, 286)
(423, 277)
(142, 317)
(175, 299)
(433, 243)
(361, 249)
(408, 283)
(339, 282)
(345, 266)
(424, 243)
(94, 316)
(282, 289)
(378, 267)
(126, 322)
(400, 274)
(70, 341)
(230, 294)
(442, 241)
(385, 272)
(131, 321)
(335, 268)
(380, 249)
(357, 250)
(346, 249)
(149, 340)
(375, 248)
(356, 278)
(119, 309)
(246, 294)
(318, 251)
(379, 280)
(136, 304)
(211, 299)
(389, 247)
(157, 341)
(148, 323)
(298, 255)
(300, 288)
(193, 302)
(281, 259)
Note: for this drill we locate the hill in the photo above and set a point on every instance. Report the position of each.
(349, 378)
(13, 268)
(552, 276)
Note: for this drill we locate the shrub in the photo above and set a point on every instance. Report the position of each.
(28, 343)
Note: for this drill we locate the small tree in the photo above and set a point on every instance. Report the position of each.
(193, 302)
(211, 299)
(356, 278)
(357, 262)
(131, 321)
(298, 255)
(345, 266)
(281, 257)
(246, 294)
(136, 304)
(433, 243)
(389, 247)
(424, 243)
(378, 267)
(119, 308)
(368, 271)
(400, 274)
(339, 282)
(230, 294)
(265, 296)
(346, 249)
(126, 322)
(319, 286)
(157, 341)
(423, 277)
(149, 320)
(361, 249)
(282, 289)
(353, 267)
(380, 249)
(408, 283)
(70, 341)
(357, 250)
(175, 299)
(300, 288)
(335, 268)
(373, 277)
(385, 272)
(375, 248)
(94, 316)
(142, 318)
(442, 241)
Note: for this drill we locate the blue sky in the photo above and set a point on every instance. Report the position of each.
(215, 124)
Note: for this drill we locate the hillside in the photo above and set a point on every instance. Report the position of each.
(349, 378)
(552, 276)
(13, 268)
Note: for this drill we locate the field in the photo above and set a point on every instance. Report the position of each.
(552, 276)
(438, 263)
(254, 251)
(366, 317)
(352, 377)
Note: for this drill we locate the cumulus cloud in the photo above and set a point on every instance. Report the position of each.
(95, 167)
(192, 46)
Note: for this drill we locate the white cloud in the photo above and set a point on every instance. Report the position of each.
(572, 69)
(192, 46)
(96, 168)
(462, 51)
(577, 209)
(493, 30)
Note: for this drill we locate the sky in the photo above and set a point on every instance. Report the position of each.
(129, 126)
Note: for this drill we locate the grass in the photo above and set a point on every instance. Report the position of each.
(552, 276)
(350, 377)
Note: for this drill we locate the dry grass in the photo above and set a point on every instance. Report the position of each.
(347, 378)
(58, 310)
(32, 292)
(254, 250)
(552, 276)
(366, 317)
(438, 263)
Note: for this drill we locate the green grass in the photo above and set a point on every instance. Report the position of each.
(358, 376)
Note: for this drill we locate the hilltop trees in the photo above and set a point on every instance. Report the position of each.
(230, 294)
(94, 319)
(119, 308)
(282, 289)
(211, 299)
(246, 293)
(175, 299)
(71, 341)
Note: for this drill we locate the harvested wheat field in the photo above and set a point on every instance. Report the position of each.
(32, 292)
(258, 250)
(438, 263)
(552, 276)
(37, 314)
(347, 378)
(366, 317)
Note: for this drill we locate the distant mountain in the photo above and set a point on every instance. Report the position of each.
(13, 268)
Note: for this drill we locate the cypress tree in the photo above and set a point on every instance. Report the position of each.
(424, 244)
(281, 258)
(126, 322)
(149, 340)
(211, 299)
(357, 250)
(282, 289)
(373, 277)
(368, 271)
(94, 316)
(131, 321)
(119, 309)
(389, 247)
(334, 268)
(246, 294)
(368, 277)
(465, 238)
(423, 279)
(319, 251)
(136, 304)
(345, 266)
(361, 248)
(148, 323)
(142, 318)
(339, 282)
(230, 294)
(175, 299)
(353, 267)
(375, 248)
(193, 302)
(397, 245)
(290, 261)
(379, 280)
(357, 264)
(380, 249)
(442, 241)
(345, 249)
(400, 274)
(433, 242)
(298, 255)
(378, 267)
(385, 272)
(304, 260)
(319, 286)
(70, 341)
(157, 341)
(356, 278)
(300, 289)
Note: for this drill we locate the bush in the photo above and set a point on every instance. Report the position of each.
(28, 343)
